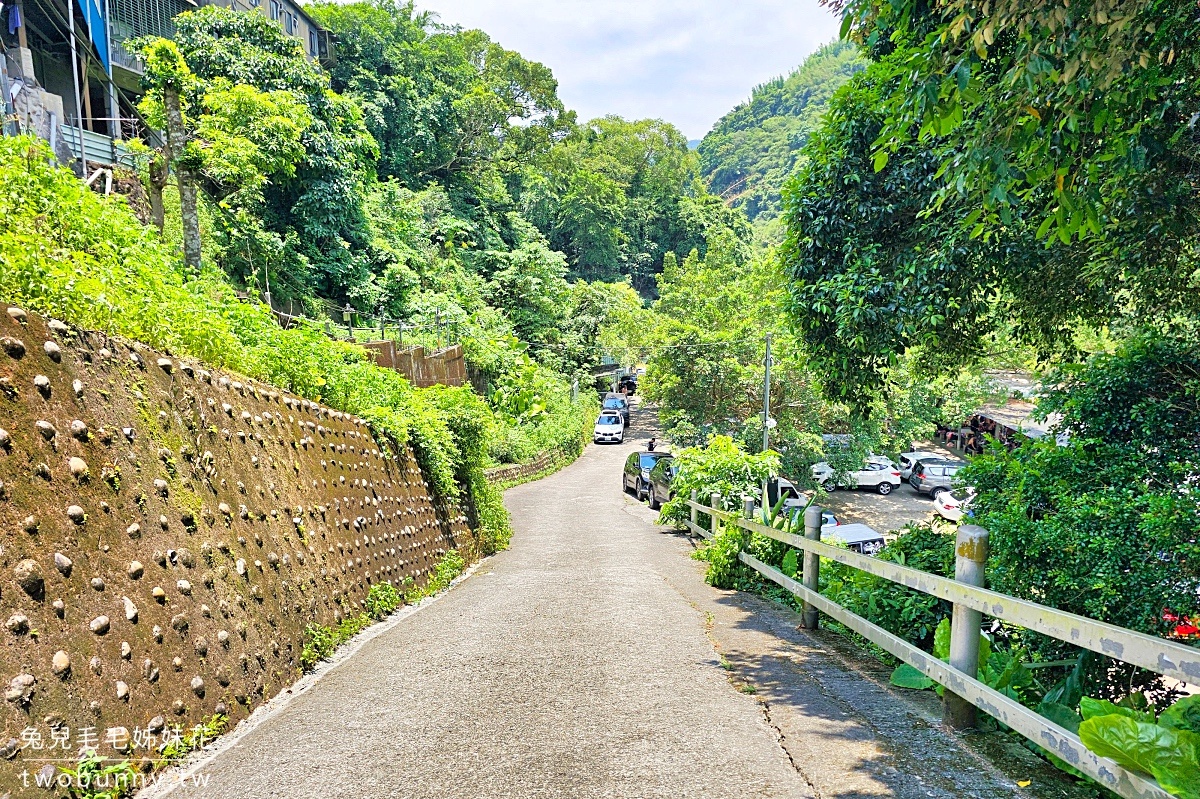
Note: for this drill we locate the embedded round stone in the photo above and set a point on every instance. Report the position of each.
(131, 610)
(5, 439)
(79, 468)
(14, 347)
(76, 514)
(20, 689)
(28, 575)
(99, 625)
(136, 569)
(198, 686)
(46, 430)
(17, 624)
(166, 364)
(63, 564)
(60, 664)
(122, 690)
(98, 583)
(184, 587)
(53, 352)
(79, 430)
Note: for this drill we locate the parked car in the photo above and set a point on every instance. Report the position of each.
(661, 477)
(636, 475)
(877, 472)
(953, 505)
(794, 502)
(609, 427)
(908, 461)
(828, 518)
(933, 476)
(857, 537)
(618, 403)
(629, 383)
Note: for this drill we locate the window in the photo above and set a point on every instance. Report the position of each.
(312, 42)
(276, 10)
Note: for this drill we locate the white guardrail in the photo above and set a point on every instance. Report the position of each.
(971, 602)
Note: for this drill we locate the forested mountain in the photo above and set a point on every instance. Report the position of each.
(749, 154)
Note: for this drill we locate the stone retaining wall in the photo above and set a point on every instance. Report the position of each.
(166, 534)
(517, 472)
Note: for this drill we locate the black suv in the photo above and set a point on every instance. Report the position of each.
(661, 477)
(636, 477)
(618, 403)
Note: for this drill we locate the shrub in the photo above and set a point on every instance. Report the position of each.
(67, 252)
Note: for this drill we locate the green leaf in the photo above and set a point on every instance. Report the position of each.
(941, 640)
(1061, 715)
(1183, 715)
(1178, 770)
(881, 159)
(1136, 745)
(905, 676)
(1092, 708)
(791, 563)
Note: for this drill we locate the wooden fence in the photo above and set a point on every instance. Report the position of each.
(971, 602)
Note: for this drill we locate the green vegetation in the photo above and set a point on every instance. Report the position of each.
(1002, 181)
(756, 147)
(320, 641)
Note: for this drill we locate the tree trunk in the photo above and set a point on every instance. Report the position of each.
(158, 182)
(189, 212)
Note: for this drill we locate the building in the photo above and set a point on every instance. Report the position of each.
(69, 77)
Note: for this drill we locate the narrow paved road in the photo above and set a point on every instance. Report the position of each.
(584, 662)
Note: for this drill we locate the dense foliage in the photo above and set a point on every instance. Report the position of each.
(1112, 514)
(73, 254)
(754, 148)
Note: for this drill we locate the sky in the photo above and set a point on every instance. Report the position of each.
(686, 61)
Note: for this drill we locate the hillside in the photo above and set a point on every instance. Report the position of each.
(752, 150)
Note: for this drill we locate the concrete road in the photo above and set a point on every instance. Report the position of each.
(591, 660)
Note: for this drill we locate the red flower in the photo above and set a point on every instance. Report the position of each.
(1184, 630)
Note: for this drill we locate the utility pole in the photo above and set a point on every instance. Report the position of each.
(767, 396)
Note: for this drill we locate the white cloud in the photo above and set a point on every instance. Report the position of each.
(686, 62)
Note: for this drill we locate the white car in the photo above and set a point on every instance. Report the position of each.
(609, 427)
(877, 472)
(908, 460)
(953, 505)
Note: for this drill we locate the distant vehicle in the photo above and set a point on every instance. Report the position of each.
(609, 427)
(615, 402)
(793, 501)
(661, 477)
(877, 472)
(857, 537)
(828, 519)
(908, 461)
(629, 383)
(953, 505)
(933, 477)
(636, 475)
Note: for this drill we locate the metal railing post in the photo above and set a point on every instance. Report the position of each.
(748, 507)
(970, 557)
(714, 501)
(695, 513)
(812, 565)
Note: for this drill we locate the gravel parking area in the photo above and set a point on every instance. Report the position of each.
(885, 514)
